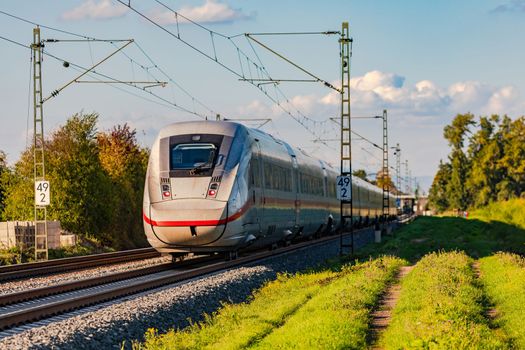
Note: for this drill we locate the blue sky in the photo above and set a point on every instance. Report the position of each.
(424, 61)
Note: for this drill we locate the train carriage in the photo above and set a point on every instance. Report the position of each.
(215, 186)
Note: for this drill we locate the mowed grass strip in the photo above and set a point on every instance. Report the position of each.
(319, 310)
(236, 326)
(503, 276)
(338, 316)
(440, 307)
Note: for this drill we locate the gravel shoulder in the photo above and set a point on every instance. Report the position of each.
(109, 325)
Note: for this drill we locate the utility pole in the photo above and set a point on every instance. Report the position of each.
(407, 178)
(397, 153)
(386, 177)
(39, 168)
(346, 202)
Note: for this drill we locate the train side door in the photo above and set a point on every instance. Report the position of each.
(258, 185)
(297, 202)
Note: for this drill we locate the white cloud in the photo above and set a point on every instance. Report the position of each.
(210, 12)
(502, 98)
(417, 114)
(377, 90)
(92, 9)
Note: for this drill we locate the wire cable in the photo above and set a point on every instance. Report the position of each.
(72, 64)
(219, 62)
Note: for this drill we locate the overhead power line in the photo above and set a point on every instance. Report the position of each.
(145, 68)
(247, 69)
(95, 74)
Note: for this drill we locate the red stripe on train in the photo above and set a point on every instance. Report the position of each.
(197, 222)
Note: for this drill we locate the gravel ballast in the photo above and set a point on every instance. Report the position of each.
(108, 326)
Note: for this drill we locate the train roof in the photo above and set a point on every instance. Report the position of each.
(229, 128)
(202, 127)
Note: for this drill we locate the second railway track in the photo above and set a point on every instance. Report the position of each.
(71, 296)
(21, 271)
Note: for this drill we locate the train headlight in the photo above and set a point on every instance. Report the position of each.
(212, 190)
(166, 191)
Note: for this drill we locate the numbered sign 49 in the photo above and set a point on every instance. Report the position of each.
(42, 193)
(343, 188)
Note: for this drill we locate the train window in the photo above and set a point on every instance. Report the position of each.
(277, 177)
(193, 155)
(311, 185)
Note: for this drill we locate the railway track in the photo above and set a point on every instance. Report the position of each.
(31, 306)
(21, 271)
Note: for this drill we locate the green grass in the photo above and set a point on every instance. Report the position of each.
(511, 212)
(442, 303)
(440, 307)
(338, 316)
(328, 308)
(503, 276)
(430, 234)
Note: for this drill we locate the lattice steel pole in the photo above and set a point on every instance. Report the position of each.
(386, 177)
(39, 168)
(346, 206)
(407, 178)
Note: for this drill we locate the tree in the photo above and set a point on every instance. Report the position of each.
(455, 135)
(360, 173)
(438, 196)
(79, 187)
(484, 152)
(512, 162)
(3, 170)
(78, 182)
(125, 164)
(18, 189)
(385, 179)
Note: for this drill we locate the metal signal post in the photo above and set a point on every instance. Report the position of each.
(386, 177)
(39, 169)
(346, 204)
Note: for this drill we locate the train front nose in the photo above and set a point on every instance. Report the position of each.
(187, 222)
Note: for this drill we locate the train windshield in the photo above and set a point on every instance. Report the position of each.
(193, 156)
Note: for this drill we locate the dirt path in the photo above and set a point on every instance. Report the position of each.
(382, 315)
(490, 313)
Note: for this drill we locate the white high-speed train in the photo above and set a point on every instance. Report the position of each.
(216, 186)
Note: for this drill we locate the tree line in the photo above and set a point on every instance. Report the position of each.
(97, 182)
(486, 163)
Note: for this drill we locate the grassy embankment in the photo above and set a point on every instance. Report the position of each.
(441, 307)
(499, 227)
(442, 304)
(503, 276)
(328, 309)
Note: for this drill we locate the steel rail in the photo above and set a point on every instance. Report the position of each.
(20, 271)
(13, 298)
(34, 313)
